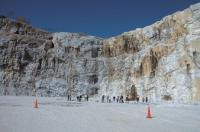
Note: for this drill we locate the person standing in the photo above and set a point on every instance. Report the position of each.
(117, 99)
(77, 98)
(107, 99)
(113, 98)
(143, 99)
(87, 97)
(127, 100)
(102, 99)
(80, 98)
(121, 99)
(138, 98)
(146, 99)
(70, 97)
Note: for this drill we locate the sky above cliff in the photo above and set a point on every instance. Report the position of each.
(103, 18)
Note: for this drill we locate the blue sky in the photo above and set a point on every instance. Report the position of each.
(103, 18)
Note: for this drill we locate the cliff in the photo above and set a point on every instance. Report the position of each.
(161, 61)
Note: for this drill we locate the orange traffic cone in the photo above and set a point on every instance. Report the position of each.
(36, 103)
(149, 113)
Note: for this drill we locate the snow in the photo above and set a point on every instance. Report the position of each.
(58, 115)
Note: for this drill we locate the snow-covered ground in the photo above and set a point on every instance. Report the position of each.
(57, 115)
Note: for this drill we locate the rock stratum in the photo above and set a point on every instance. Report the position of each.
(161, 61)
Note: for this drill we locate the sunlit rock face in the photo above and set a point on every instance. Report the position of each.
(160, 61)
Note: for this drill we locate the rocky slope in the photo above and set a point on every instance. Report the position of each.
(161, 61)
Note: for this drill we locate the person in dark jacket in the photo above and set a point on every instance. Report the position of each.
(80, 98)
(102, 98)
(77, 98)
(68, 97)
(121, 99)
(146, 99)
(138, 98)
(114, 99)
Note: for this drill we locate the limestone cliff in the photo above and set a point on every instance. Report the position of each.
(161, 61)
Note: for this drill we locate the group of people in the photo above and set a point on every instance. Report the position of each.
(145, 99)
(120, 99)
(107, 99)
(79, 98)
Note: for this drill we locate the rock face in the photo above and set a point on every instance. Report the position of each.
(161, 61)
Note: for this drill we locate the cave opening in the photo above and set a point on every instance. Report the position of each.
(133, 93)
